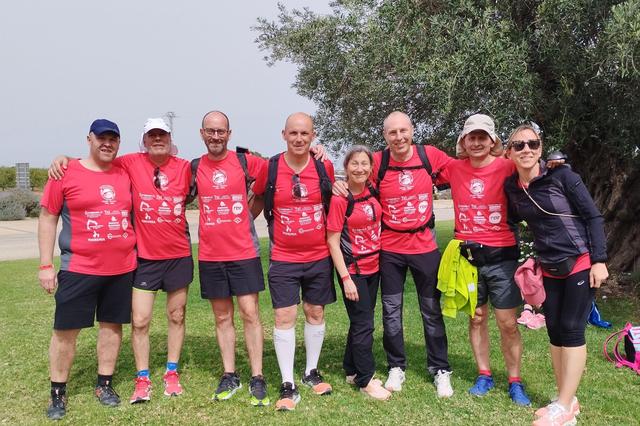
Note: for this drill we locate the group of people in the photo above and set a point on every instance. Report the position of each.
(371, 228)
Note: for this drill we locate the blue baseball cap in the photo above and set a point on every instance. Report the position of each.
(101, 126)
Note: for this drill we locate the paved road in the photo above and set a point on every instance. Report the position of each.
(19, 238)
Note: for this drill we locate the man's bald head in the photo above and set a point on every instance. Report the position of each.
(299, 118)
(396, 117)
(216, 113)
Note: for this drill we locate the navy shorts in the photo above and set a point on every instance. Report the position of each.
(495, 283)
(166, 275)
(220, 280)
(286, 279)
(81, 299)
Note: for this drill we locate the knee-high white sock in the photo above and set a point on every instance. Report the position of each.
(313, 339)
(284, 342)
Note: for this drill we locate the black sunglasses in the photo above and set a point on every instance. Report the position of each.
(156, 178)
(297, 188)
(531, 143)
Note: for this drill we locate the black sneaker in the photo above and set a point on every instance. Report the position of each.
(289, 397)
(258, 391)
(107, 396)
(229, 385)
(57, 407)
(316, 383)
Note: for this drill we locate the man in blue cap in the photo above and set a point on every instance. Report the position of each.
(98, 258)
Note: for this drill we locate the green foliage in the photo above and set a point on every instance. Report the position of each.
(7, 177)
(11, 209)
(26, 313)
(569, 65)
(38, 178)
(19, 204)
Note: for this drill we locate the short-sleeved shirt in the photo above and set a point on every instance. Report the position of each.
(159, 213)
(226, 230)
(406, 197)
(361, 235)
(299, 233)
(479, 201)
(97, 236)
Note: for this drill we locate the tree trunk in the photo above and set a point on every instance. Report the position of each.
(614, 184)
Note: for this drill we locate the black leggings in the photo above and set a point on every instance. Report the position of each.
(358, 353)
(567, 307)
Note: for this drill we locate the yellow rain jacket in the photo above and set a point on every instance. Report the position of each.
(458, 282)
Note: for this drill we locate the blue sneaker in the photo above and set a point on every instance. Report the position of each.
(482, 385)
(518, 395)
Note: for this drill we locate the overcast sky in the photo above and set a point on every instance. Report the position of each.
(64, 63)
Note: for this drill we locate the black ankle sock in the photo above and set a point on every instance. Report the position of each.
(104, 380)
(58, 388)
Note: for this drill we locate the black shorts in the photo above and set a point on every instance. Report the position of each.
(220, 280)
(315, 278)
(81, 298)
(166, 275)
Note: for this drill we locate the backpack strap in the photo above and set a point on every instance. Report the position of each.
(384, 165)
(241, 153)
(270, 190)
(325, 185)
(193, 188)
(351, 200)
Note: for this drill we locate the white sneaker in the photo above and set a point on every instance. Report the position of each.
(395, 380)
(443, 384)
(351, 380)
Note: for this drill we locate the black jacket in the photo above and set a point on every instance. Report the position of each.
(556, 237)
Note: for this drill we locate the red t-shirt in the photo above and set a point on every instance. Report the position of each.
(226, 229)
(298, 223)
(479, 201)
(97, 237)
(159, 213)
(407, 202)
(362, 235)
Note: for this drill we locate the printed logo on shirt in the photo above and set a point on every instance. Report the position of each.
(476, 186)
(405, 180)
(163, 180)
(108, 194)
(495, 217)
(237, 208)
(368, 210)
(479, 218)
(219, 179)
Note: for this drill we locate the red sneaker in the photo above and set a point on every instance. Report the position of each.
(142, 390)
(172, 385)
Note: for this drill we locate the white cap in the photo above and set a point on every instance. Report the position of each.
(156, 123)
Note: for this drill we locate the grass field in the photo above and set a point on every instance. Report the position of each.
(609, 396)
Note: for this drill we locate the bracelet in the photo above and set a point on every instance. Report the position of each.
(45, 267)
(346, 277)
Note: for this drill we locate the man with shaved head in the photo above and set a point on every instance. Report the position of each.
(296, 191)
(228, 255)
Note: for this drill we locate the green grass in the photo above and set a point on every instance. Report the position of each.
(608, 395)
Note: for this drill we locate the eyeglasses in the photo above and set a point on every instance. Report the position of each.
(297, 187)
(533, 144)
(213, 132)
(156, 178)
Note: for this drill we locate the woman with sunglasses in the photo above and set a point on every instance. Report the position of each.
(570, 242)
(353, 237)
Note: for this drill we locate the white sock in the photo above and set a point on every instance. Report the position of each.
(284, 342)
(313, 338)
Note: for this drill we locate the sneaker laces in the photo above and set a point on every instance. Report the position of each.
(142, 383)
(171, 377)
(226, 382)
(286, 391)
(258, 386)
(57, 400)
(314, 377)
(106, 391)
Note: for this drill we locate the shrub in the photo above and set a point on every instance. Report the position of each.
(10, 209)
(28, 200)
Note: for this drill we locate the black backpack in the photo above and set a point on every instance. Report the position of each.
(382, 171)
(270, 190)
(242, 158)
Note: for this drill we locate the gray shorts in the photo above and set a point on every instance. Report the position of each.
(495, 282)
